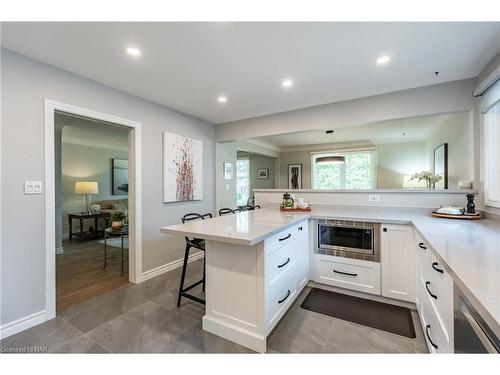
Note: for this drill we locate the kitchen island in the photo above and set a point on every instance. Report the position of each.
(258, 261)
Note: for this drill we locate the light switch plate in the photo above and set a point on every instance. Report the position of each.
(32, 187)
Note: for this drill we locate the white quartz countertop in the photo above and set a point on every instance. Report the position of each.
(469, 249)
(244, 228)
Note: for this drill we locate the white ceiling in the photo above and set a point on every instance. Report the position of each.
(393, 131)
(88, 132)
(186, 66)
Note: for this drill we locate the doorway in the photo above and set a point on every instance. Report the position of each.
(92, 179)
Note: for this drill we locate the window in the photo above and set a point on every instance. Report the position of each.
(242, 181)
(491, 121)
(357, 172)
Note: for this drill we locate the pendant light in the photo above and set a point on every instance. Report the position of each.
(330, 159)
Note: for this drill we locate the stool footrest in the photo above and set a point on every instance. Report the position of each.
(191, 286)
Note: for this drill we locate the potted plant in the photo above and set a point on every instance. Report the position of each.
(117, 219)
(429, 178)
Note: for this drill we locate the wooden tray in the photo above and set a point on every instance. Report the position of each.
(462, 217)
(308, 209)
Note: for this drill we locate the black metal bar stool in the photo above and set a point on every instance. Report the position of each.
(225, 211)
(199, 244)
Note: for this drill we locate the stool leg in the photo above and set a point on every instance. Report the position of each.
(184, 266)
(204, 267)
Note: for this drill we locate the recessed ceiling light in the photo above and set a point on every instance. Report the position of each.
(287, 83)
(222, 99)
(383, 59)
(133, 51)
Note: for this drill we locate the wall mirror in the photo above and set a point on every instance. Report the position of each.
(422, 153)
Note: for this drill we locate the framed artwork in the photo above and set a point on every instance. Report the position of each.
(182, 168)
(119, 177)
(262, 173)
(228, 171)
(295, 176)
(441, 165)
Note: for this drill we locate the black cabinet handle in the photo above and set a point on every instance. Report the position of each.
(427, 283)
(428, 337)
(284, 264)
(300, 228)
(345, 273)
(284, 299)
(286, 237)
(421, 245)
(434, 265)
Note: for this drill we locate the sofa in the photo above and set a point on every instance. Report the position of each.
(111, 206)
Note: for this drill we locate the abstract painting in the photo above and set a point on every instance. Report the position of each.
(119, 179)
(182, 168)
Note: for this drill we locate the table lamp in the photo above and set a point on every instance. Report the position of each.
(86, 188)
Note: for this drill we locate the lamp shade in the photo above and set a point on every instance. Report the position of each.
(86, 188)
(330, 159)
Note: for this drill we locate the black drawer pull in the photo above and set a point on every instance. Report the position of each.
(434, 265)
(286, 238)
(300, 228)
(284, 299)
(284, 264)
(421, 245)
(428, 337)
(427, 283)
(345, 273)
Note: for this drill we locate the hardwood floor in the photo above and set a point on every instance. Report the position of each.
(79, 273)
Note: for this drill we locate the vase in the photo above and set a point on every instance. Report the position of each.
(116, 225)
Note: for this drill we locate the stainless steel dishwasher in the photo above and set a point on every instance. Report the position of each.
(472, 334)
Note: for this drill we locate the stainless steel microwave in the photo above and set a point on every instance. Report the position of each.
(349, 239)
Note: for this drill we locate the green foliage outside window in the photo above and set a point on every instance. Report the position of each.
(356, 173)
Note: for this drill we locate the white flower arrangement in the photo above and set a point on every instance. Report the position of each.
(428, 177)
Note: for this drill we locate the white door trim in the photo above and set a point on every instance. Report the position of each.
(135, 194)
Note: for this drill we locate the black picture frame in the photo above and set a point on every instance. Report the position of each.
(294, 176)
(441, 165)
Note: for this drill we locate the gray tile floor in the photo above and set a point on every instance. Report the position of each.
(144, 318)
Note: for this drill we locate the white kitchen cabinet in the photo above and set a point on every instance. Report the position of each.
(354, 274)
(398, 262)
(434, 299)
(259, 284)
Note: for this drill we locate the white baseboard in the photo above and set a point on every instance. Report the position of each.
(59, 250)
(22, 324)
(170, 266)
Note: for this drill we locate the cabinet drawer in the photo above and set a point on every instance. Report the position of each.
(435, 337)
(347, 273)
(280, 264)
(279, 302)
(281, 239)
(436, 283)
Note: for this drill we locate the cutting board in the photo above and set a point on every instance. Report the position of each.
(461, 217)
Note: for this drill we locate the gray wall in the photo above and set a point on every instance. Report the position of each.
(226, 189)
(25, 84)
(396, 160)
(457, 132)
(259, 162)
